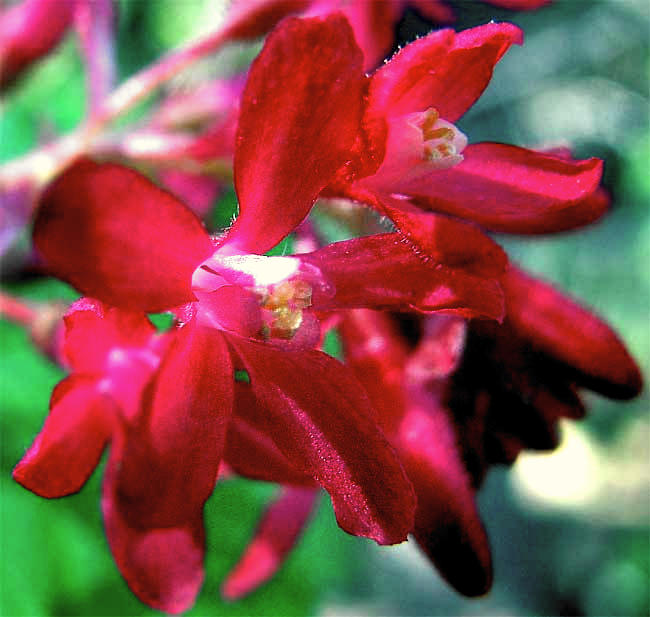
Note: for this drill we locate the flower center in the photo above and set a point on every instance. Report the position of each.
(442, 142)
(283, 305)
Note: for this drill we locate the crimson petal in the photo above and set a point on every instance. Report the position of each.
(385, 272)
(320, 418)
(444, 70)
(178, 442)
(570, 334)
(511, 189)
(162, 566)
(252, 453)
(115, 236)
(447, 523)
(277, 533)
(159, 478)
(71, 441)
(300, 115)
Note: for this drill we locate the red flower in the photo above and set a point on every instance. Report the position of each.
(413, 158)
(298, 416)
(455, 398)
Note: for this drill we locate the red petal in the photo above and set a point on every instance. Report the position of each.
(383, 272)
(444, 70)
(319, 417)
(159, 479)
(251, 452)
(447, 523)
(510, 189)
(115, 236)
(177, 444)
(570, 334)
(162, 566)
(300, 114)
(445, 240)
(373, 24)
(376, 353)
(433, 10)
(277, 533)
(108, 328)
(69, 446)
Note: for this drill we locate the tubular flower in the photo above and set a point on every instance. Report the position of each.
(413, 158)
(456, 397)
(294, 414)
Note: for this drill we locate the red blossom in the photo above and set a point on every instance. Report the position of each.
(455, 398)
(413, 159)
(116, 236)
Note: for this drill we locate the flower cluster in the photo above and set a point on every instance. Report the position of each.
(455, 359)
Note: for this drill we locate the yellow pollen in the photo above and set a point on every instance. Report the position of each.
(286, 302)
(442, 141)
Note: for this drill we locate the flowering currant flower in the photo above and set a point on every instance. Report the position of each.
(422, 161)
(456, 397)
(118, 238)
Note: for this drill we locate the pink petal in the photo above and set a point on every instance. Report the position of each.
(569, 333)
(108, 328)
(300, 114)
(384, 272)
(444, 70)
(510, 189)
(231, 307)
(69, 446)
(115, 236)
(319, 417)
(276, 535)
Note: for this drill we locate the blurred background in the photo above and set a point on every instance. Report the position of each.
(570, 531)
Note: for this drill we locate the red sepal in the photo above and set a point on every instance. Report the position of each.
(69, 446)
(386, 272)
(114, 235)
(321, 420)
(300, 115)
(570, 334)
(510, 189)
